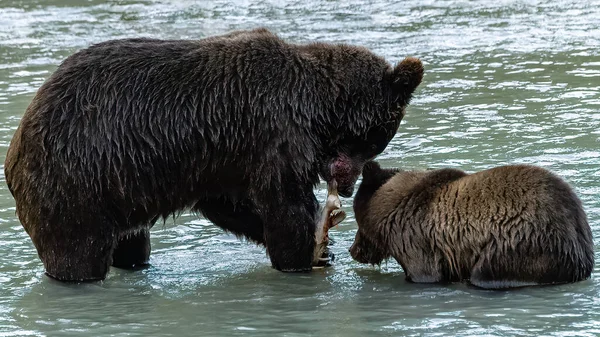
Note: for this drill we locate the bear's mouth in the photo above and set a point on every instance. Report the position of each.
(347, 191)
(358, 254)
(363, 251)
(331, 216)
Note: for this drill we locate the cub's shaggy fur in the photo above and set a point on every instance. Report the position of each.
(237, 127)
(505, 227)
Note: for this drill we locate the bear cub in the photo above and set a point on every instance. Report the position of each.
(505, 227)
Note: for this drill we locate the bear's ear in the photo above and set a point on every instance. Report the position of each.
(371, 170)
(376, 176)
(404, 79)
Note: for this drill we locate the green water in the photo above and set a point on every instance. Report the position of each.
(506, 82)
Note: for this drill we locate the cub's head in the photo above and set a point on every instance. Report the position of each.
(370, 105)
(370, 244)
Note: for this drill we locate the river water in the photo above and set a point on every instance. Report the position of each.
(506, 82)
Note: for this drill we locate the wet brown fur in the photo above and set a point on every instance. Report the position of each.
(505, 227)
(236, 127)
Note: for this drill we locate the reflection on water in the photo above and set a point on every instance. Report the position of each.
(506, 82)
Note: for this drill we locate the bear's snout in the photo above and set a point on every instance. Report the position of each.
(345, 172)
(356, 252)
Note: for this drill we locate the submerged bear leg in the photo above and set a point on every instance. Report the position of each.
(237, 218)
(77, 249)
(504, 268)
(133, 250)
(484, 276)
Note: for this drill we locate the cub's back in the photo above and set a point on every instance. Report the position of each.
(521, 188)
(515, 196)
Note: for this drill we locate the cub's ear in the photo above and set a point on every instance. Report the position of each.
(371, 170)
(376, 176)
(405, 78)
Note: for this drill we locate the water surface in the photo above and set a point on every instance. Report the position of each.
(506, 82)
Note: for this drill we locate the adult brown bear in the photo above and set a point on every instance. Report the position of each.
(506, 227)
(237, 127)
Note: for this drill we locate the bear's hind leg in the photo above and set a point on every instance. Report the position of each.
(78, 249)
(500, 269)
(133, 250)
(485, 277)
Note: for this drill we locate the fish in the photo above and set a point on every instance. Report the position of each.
(331, 216)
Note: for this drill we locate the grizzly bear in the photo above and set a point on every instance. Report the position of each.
(510, 226)
(237, 127)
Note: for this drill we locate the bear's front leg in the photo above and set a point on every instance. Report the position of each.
(290, 229)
